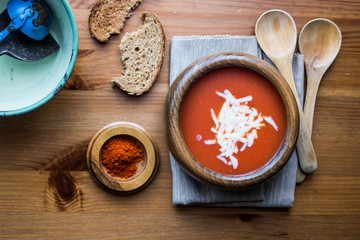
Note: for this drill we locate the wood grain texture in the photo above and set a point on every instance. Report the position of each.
(276, 33)
(319, 42)
(327, 204)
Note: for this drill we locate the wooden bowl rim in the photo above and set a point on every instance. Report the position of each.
(177, 145)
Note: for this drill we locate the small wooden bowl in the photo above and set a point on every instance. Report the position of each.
(175, 139)
(147, 168)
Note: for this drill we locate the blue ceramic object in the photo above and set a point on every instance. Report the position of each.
(32, 17)
(25, 86)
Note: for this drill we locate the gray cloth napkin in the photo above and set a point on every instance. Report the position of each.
(279, 190)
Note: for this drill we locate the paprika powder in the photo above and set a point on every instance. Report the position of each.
(120, 154)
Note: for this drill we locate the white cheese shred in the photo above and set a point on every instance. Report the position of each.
(271, 122)
(236, 122)
(210, 142)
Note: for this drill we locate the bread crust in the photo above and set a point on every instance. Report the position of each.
(107, 17)
(124, 82)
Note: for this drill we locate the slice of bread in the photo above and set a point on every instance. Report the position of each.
(142, 54)
(108, 16)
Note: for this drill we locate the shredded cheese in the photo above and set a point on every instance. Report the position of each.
(236, 122)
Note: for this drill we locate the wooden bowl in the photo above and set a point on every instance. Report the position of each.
(147, 168)
(175, 140)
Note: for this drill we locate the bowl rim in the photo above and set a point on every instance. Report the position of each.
(177, 145)
(114, 184)
(66, 75)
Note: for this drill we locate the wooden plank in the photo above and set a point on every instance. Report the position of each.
(187, 225)
(77, 192)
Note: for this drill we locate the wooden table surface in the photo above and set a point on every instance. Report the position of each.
(46, 191)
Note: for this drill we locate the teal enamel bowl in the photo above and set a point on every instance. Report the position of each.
(25, 86)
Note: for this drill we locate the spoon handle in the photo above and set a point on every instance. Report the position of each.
(313, 81)
(305, 149)
(300, 176)
(16, 23)
(4, 33)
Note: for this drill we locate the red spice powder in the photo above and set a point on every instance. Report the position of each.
(120, 154)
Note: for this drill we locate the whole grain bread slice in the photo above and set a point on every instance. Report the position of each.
(108, 16)
(142, 53)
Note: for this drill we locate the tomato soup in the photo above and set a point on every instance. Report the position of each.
(233, 120)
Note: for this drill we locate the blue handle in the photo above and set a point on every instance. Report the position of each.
(6, 32)
(17, 23)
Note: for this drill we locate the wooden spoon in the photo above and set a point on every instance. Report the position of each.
(276, 33)
(319, 42)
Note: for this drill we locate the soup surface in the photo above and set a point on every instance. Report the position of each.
(233, 120)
